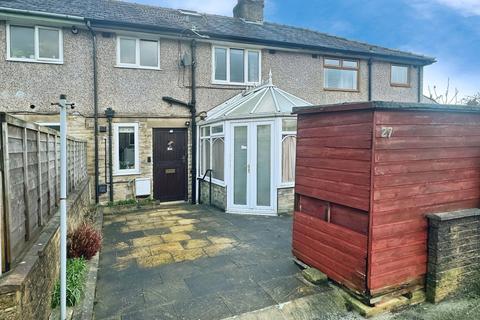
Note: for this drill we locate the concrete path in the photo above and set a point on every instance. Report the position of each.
(184, 262)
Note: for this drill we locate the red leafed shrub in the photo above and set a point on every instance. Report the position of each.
(84, 242)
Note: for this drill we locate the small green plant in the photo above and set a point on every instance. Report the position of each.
(76, 276)
(122, 202)
(130, 202)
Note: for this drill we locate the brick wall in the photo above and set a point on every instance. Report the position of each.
(219, 195)
(25, 291)
(285, 200)
(453, 253)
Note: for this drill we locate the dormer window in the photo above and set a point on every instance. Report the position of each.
(236, 66)
(34, 44)
(138, 53)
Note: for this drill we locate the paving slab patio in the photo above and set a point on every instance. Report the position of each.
(194, 262)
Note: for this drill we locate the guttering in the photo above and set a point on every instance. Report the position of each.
(95, 106)
(193, 110)
(420, 84)
(43, 14)
(419, 60)
(370, 79)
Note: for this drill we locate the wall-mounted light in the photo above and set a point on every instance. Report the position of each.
(74, 29)
(187, 123)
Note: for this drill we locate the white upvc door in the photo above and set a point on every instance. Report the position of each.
(252, 188)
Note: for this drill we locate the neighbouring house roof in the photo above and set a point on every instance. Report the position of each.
(265, 100)
(118, 13)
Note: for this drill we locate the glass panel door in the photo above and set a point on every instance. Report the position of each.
(240, 164)
(264, 165)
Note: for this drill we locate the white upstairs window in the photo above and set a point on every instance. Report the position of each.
(34, 44)
(399, 76)
(236, 66)
(138, 53)
(340, 74)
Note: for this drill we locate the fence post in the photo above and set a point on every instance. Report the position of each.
(6, 199)
(26, 188)
(40, 191)
(49, 182)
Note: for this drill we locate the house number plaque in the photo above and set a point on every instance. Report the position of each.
(386, 132)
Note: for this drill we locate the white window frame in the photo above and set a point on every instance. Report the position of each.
(210, 139)
(286, 134)
(36, 46)
(137, 65)
(396, 84)
(245, 66)
(341, 67)
(116, 164)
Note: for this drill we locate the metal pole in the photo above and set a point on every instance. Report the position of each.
(63, 206)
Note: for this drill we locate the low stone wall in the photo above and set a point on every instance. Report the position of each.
(286, 200)
(219, 195)
(453, 253)
(26, 290)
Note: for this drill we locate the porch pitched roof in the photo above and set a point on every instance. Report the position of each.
(266, 100)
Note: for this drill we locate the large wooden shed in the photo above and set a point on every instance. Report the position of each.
(366, 176)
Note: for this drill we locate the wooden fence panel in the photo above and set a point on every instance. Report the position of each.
(31, 175)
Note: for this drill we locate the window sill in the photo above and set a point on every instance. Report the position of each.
(341, 90)
(34, 61)
(138, 67)
(286, 185)
(129, 173)
(399, 85)
(236, 84)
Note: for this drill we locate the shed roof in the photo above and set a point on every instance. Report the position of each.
(125, 14)
(266, 100)
(387, 105)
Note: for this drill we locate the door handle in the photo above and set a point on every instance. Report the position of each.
(248, 168)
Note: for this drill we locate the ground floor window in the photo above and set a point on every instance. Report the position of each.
(212, 151)
(126, 147)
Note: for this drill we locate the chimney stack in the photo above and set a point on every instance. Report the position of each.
(249, 10)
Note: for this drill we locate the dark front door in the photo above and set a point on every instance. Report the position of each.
(170, 164)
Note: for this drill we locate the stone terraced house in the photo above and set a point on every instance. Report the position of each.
(157, 72)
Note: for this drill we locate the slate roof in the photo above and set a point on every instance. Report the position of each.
(217, 27)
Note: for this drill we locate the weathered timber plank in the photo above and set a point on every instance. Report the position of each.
(436, 130)
(356, 178)
(340, 233)
(426, 118)
(438, 153)
(336, 164)
(426, 142)
(334, 153)
(349, 201)
(356, 142)
(425, 177)
(338, 130)
(315, 121)
(426, 200)
(408, 191)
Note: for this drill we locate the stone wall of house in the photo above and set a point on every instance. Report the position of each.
(219, 195)
(26, 290)
(285, 200)
(453, 253)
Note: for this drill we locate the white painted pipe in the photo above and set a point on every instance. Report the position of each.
(63, 207)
